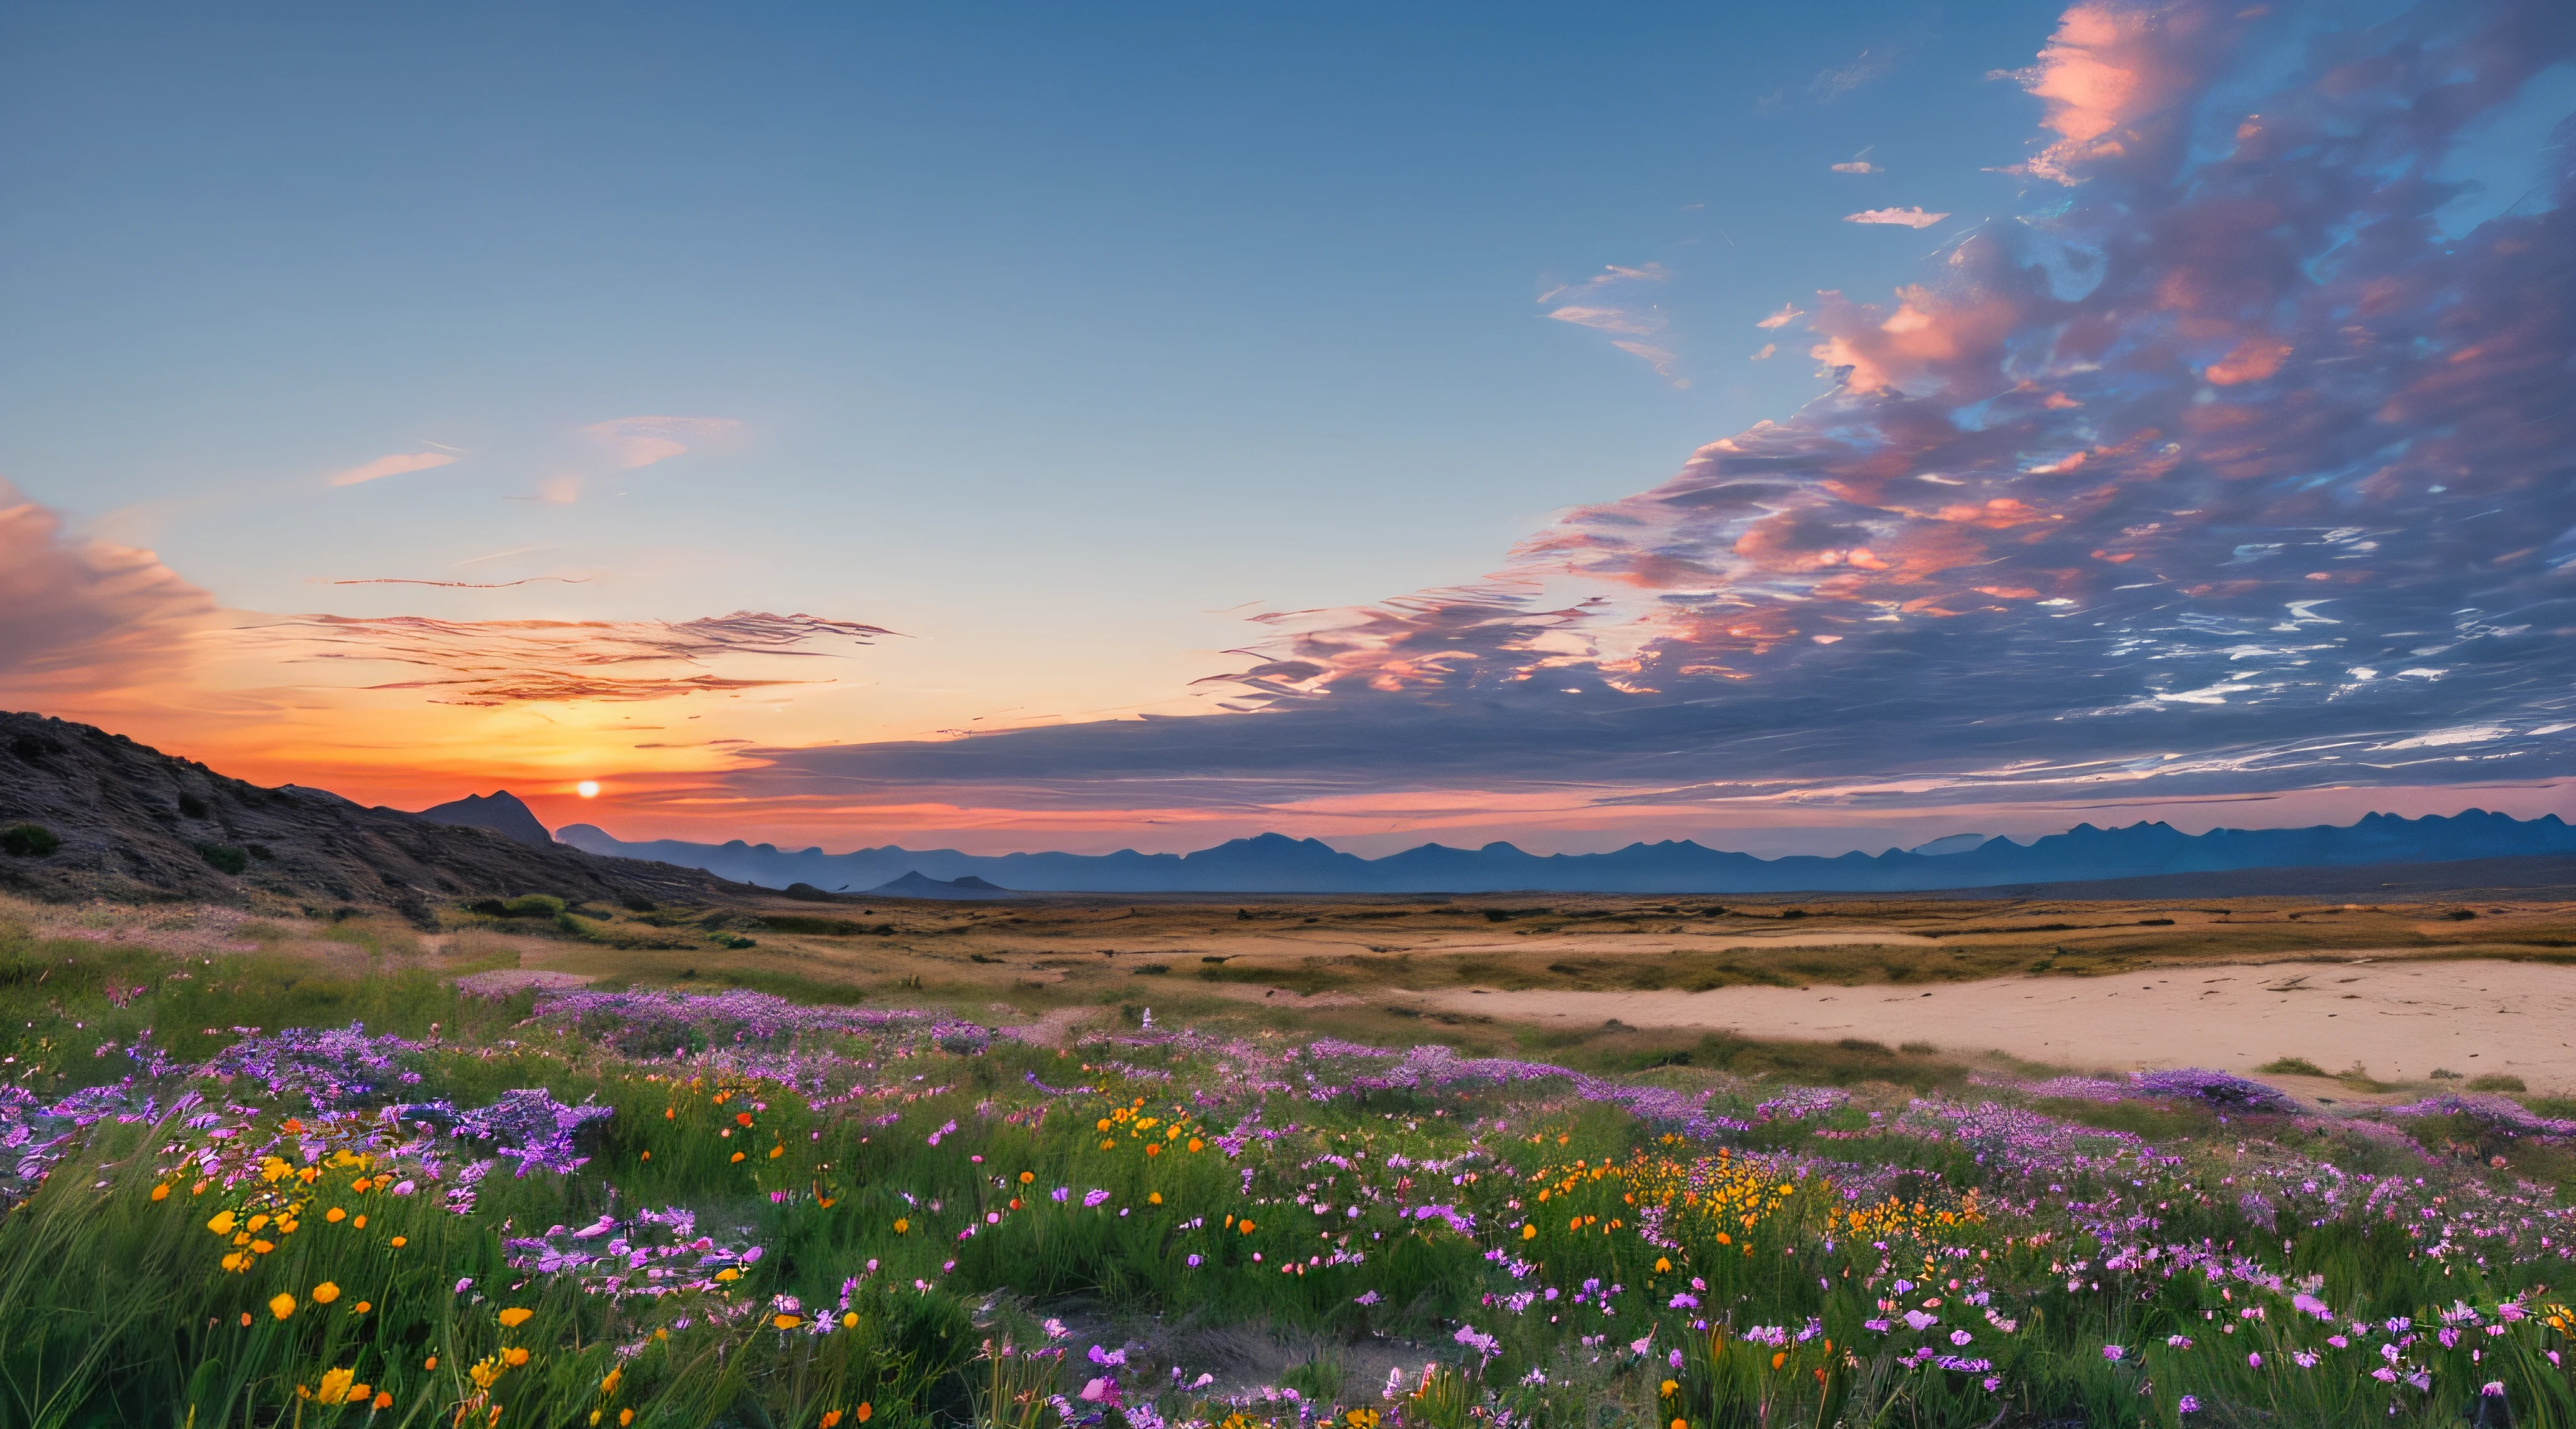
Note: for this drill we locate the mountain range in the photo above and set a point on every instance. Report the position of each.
(1275, 863)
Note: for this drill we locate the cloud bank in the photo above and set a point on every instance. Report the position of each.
(2220, 467)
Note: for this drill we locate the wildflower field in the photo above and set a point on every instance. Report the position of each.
(239, 1191)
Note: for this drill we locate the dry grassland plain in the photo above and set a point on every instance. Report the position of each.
(2378, 993)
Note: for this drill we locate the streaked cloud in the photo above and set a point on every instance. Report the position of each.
(1767, 351)
(1858, 166)
(641, 441)
(1789, 312)
(394, 465)
(466, 585)
(501, 662)
(1611, 301)
(1904, 217)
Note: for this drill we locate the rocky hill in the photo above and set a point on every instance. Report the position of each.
(500, 812)
(88, 814)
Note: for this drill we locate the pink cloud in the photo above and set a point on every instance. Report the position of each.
(1768, 349)
(642, 441)
(1788, 312)
(84, 616)
(2111, 67)
(1905, 217)
(1606, 319)
(1858, 166)
(394, 465)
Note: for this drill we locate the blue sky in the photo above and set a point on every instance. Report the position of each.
(1056, 342)
(1240, 306)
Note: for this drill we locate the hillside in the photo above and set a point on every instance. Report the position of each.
(133, 823)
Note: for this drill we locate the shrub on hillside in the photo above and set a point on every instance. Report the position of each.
(28, 841)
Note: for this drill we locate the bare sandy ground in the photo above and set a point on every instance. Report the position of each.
(2398, 1019)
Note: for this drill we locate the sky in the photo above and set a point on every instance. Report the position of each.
(1007, 427)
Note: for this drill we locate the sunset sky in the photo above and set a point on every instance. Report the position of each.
(1017, 427)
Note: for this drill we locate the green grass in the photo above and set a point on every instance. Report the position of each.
(2293, 1067)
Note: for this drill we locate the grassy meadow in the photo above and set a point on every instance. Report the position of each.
(261, 1172)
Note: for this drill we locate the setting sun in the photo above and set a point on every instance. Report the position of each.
(587, 788)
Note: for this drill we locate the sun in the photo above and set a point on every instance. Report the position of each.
(587, 788)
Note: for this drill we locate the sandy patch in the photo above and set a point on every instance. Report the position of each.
(2398, 1019)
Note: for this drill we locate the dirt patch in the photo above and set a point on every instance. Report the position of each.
(501, 982)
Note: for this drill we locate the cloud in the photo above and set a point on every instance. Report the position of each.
(1906, 217)
(466, 585)
(2111, 74)
(1868, 66)
(500, 662)
(2221, 469)
(1608, 319)
(1768, 349)
(394, 465)
(1858, 166)
(1788, 313)
(641, 441)
(79, 617)
(1609, 302)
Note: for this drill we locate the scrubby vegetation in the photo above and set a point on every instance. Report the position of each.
(253, 1186)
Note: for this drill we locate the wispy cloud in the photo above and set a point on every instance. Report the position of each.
(466, 585)
(1789, 312)
(1858, 166)
(1768, 350)
(500, 662)
(1867, 67)
(641, 441)
(1906, 217)
(394, 465)
(1610, 301)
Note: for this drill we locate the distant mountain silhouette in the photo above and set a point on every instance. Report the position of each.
(1275, 863)
(501, 812)
(913, 885)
